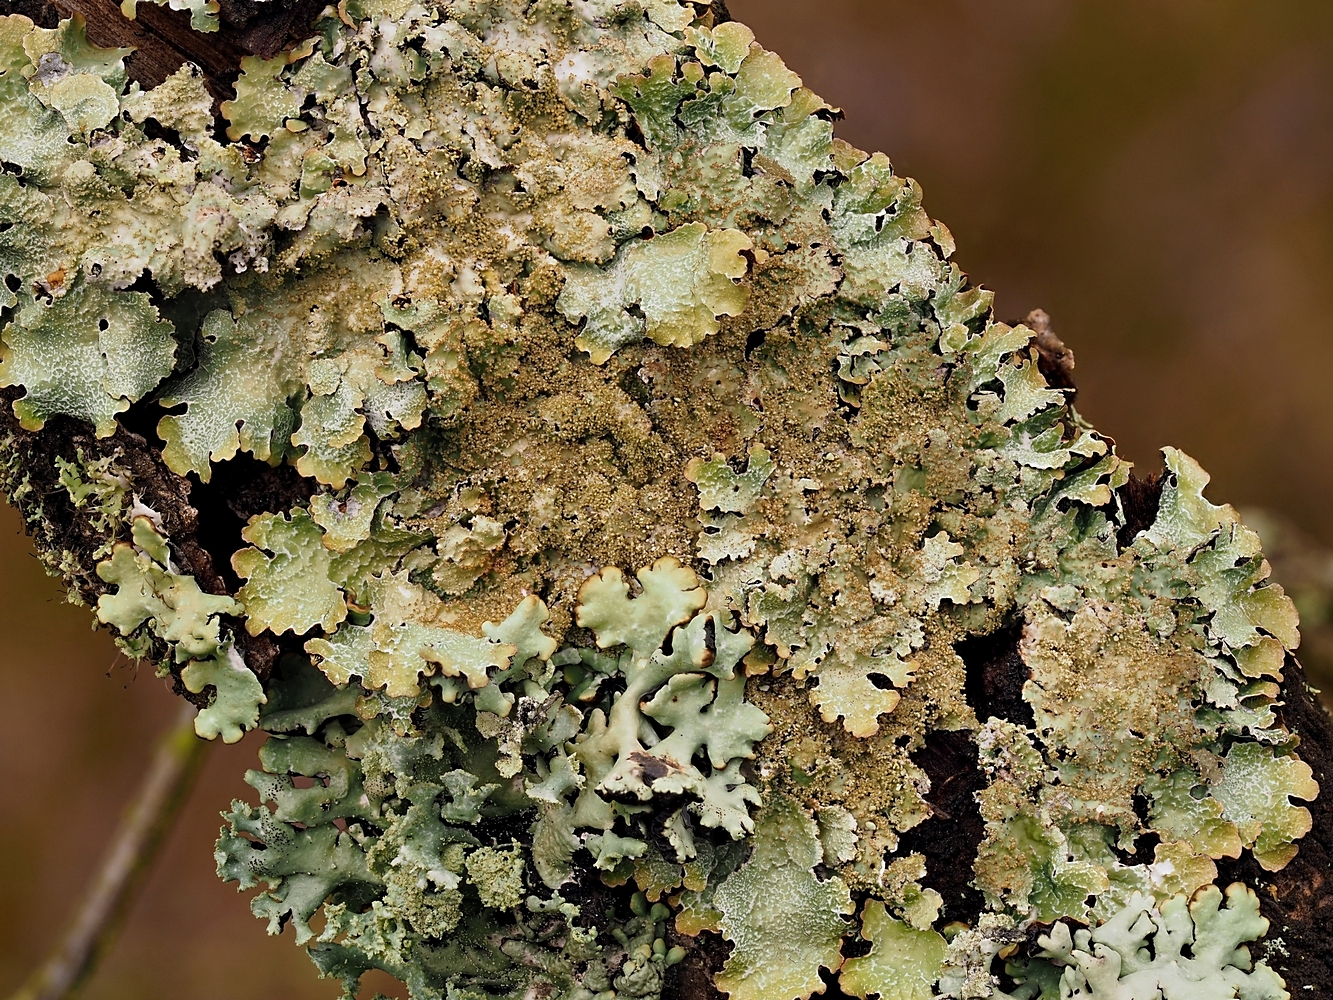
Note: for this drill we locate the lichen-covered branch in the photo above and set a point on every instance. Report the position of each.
(616, 504)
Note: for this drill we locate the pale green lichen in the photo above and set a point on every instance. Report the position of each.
(680, 284)
(671, 595)
(263, 101)
(1186, 949)
(498, 876)
(99, 486)
(904, 963)
(407, 638)
(784, 922)
(153, 600)
(846, 688)
(287, 585)
(150, 595)
(1255, 794)
(237, 695)
(85, 352)
(657, 465)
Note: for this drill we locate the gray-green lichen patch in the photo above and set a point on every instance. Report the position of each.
(904, 962)
(1186, 948)
(658, 458)
(784, 922)
(287, 586)
(89, 353)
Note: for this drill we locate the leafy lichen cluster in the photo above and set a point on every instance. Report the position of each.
(659, 461)
(1198, 949)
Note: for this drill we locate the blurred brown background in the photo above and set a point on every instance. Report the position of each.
(1156, 174)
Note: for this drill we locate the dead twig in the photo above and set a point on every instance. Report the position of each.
(166, 785)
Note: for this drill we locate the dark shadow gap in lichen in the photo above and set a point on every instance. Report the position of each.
(832, 991)
(1139, 499)
(950, 838)
(995, 676)
(238, 490)
(692, 978)
(1296, 900)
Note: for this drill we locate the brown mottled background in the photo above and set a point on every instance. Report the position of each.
(1156, 174)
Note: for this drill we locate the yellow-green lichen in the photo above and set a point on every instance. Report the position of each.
(784, 922)
(904, 963)
(85, 352)
(237, 695)
(149, 593)
(287, 585)
(679, 283)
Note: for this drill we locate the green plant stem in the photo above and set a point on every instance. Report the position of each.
(176, 764)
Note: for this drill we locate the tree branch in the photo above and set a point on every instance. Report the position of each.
(175, 766)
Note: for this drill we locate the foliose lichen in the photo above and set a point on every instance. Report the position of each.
(655, 462)
(1184, 948)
